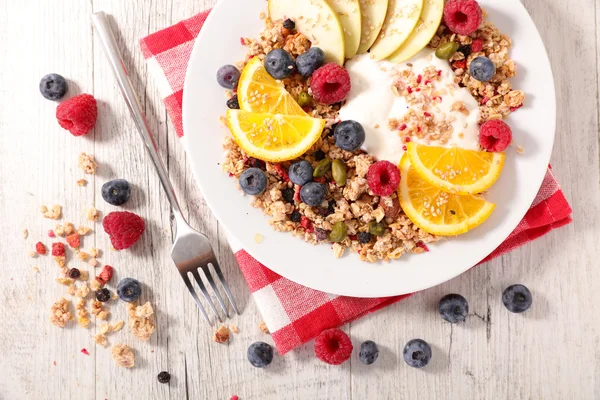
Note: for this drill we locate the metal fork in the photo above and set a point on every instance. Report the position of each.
(191, 250)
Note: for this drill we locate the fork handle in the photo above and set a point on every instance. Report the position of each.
(109, 43)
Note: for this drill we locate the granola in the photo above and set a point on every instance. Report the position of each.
(59, 313)
(123, 355)
(221, 335)
(87, 164)
(141, 321)
(355, 204)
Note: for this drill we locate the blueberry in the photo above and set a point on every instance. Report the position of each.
(228, 76)
(517, 298)
(253, 181)
(295, 216)
(482, 69)
(279, 63)
(288, 195)
(417, 353)
(103, 295)
(74, 273)
(301, 172)
(465, 49)
(260, 354)
(319, 155)
(116, 192)
(233, 102)
(321, 234)
(453, 308)
(164, 377)
(313, 193)
(349, 135)
(289, 24)
(309, 62)
(53, 87)
(129, 289)
(368, 352)
(364, 237)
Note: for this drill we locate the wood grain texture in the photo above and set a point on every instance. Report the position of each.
(551, 352)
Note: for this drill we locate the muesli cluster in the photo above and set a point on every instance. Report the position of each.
(348, 212)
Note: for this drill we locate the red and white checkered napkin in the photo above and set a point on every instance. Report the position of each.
(293, 313)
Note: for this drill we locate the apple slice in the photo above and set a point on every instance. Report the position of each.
(429, 22)
(373, 15)
(349, 13)
(317, 21)
(401, 19)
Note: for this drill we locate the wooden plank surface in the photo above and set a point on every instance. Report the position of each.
(551, 352)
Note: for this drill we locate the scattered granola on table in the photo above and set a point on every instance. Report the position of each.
(141, 320)
(87, 164)
(59, 313)
(123, 355)
(221, 335)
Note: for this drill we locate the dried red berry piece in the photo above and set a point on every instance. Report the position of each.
(105, 275)
(383, 178)
(477, 45)
(74, 241)
(462, 16)
(306, 224)
(124, 228)
(333, 346)
(495, 135)
(330, 84)
(78, 114)
(84, 351)
(58, 249)
(40, 248)
(281, 171)
(51, 233)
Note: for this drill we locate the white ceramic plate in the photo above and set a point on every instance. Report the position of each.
(314, 266)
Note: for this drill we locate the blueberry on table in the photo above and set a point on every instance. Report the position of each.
(129, 289)
(103, 295)
(53, 87)
(279, 63)
(116, 192)
(482, 69)
(517, 298)
(313, 193)
(301, 172)
(164, 377)
(349, 135)
(253, 181)
(368, 352)
(417, 353)
(453, 308)
(260, 354)
(309, 62)
(228, 76)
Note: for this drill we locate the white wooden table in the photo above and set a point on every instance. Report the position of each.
(551, 352)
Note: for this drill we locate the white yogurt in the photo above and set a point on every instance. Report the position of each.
(372, 103)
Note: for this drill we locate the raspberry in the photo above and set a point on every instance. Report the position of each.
(333, 346)
(58, 249)
(330, 84)
(477, 45)
(462, 16)
(73, 241)
(105, 275)
(383, 178)
(495, 135)
(124, 228)
(78, 114)
(40, 248)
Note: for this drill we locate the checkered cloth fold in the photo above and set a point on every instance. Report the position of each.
(293, 313)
